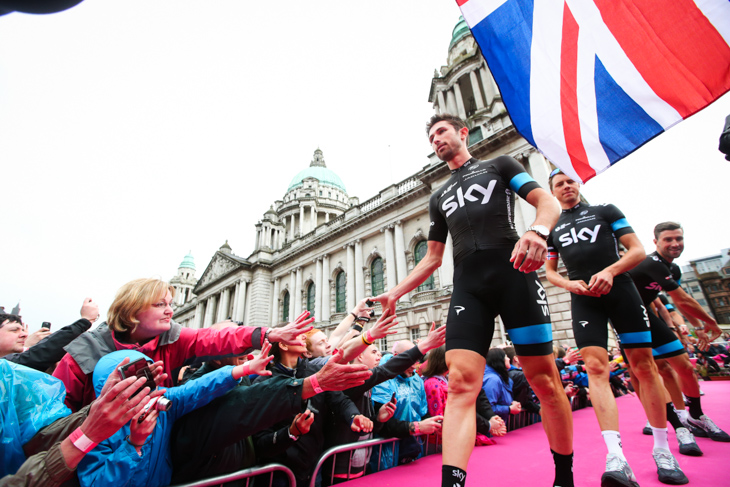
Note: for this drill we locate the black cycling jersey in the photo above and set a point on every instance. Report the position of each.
(655, 274)
(586, 238)
(477, 205)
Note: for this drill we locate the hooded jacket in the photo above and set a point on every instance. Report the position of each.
(115, 461)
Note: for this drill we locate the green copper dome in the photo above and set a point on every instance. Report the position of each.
(188, 262)
(317, 170)
(461, 30)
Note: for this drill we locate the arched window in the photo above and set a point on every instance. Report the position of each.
(311, 291)
(285, 311)
(420, 253)
(340, 293)
(376, 277)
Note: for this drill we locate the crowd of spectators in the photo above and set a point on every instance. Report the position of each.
(225, 409)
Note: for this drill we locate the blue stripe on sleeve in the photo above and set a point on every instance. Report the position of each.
(530, 335)
(619, 224)
(520, 180)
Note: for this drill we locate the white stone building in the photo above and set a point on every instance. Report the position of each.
(319, 248)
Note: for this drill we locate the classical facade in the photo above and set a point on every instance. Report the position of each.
(321, 249)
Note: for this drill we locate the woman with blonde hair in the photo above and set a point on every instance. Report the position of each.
(140, 318)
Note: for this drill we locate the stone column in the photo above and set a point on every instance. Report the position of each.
(224, 302)
(327, 217)
(319, 291)
(199, 310)
(236, 296)
(489, 87)
(451, 103)
(446, 277)
(209, 307)
(257, 244)
(476, 90)
(275, 304)
(350, 276)
(390, 264)
(301, 220)
(359, 274)
(459, 101)
(539, 168)
(241, 303)
(325, 287)
(298, 294)
(313, 218)
(291, 227)
(442, 103)
(400, 255)
(292, 294)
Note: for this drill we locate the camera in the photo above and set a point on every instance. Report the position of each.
(46, 325)
(138, 368)
(160, 404)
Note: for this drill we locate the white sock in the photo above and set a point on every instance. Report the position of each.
(683, 414)
(613, 442)
(660, 438)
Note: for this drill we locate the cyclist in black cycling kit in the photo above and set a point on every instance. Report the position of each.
(494, 274)
(656, 273)
(587, 237)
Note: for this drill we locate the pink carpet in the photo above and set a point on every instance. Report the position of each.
(522, 458)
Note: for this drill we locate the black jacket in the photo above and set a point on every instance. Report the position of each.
(301, 456)
(44, 354)
(341, 433)
(216, 439)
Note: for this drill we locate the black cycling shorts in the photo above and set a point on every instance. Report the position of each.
(486, 285)
(623, 306)
(664, 342)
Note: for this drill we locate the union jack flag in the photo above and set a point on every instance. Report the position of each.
(587, 82)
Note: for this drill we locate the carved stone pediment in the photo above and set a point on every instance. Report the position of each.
(220, 266)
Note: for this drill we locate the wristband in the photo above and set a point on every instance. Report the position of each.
(369, 336)
(354, 316)
(364, 340)
(136, 446)
(315, 384)
(266, 336)
(81, 441)
(246, 370)
(356, 327)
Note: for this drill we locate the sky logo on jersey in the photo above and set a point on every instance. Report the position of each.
(586, 233)
(654, 286)
(588, 82)
(450, 206)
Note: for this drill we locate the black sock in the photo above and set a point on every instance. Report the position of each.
(563, 470)
(695, 408)
(673, 418)
(452, 476)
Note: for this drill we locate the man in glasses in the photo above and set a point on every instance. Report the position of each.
(656, 273)
(494, 274)
(587, 238)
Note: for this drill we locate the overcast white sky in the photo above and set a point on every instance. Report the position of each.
(134, 131)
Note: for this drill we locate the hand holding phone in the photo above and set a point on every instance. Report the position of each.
(138, 368)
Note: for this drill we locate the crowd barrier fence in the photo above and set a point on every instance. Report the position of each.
(515, 421)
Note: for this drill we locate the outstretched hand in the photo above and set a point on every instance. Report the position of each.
(257, 364)
(362, 424)
(336, 376)
(291, 333)
(387, 302)
(383, 327)
(435, 338)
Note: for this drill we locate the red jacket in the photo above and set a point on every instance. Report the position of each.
(173, 347)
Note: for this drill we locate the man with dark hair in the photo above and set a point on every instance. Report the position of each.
(587, 239)
(656, 273)
(50, 350)
(494, 274)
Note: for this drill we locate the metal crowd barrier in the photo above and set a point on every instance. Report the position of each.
(515, 421)
(247, 474)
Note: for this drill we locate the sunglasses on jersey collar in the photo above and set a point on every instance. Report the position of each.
(555, 171)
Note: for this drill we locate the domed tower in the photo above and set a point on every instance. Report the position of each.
(184, 281)
(465, 87)
(314, 196)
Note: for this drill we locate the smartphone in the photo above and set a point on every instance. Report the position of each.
(46, 325)
(138, 368)
(369, 303)
(392, 398)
